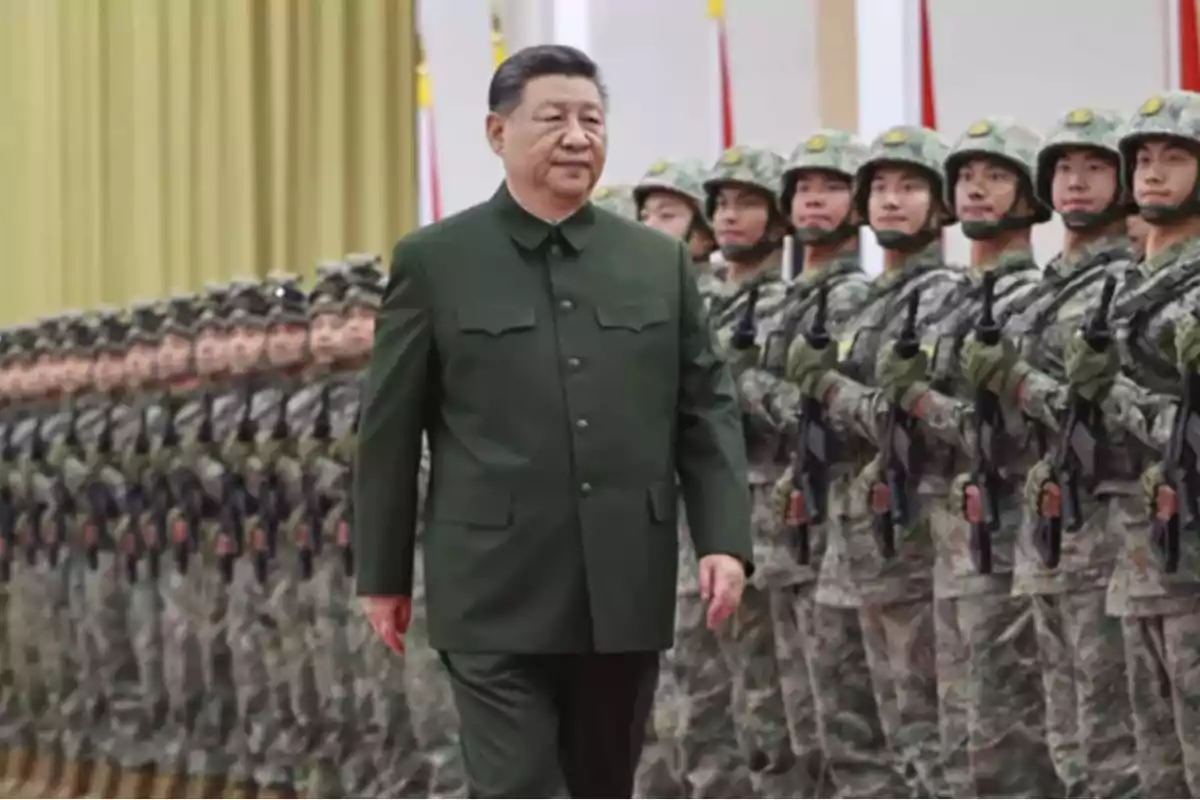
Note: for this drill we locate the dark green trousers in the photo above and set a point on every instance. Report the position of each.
(536, 725)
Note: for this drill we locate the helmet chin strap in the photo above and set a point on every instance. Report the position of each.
(751, 253)
(909, 242)
(821, 237)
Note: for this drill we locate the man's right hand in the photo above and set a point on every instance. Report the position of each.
(807, 364)
(389, 616)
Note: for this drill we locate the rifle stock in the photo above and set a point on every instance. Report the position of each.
(891, 499)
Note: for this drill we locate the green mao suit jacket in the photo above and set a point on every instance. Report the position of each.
(566, 379)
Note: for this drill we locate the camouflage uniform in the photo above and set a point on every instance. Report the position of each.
(660, 772)
(617, 199)
(884, 656)
(1088, 718)
(749, 643)
(773, 404)
(1003, 697)
(206, 420)
(1159, 610)
(176, 421)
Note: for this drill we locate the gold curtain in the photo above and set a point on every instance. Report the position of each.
(150, 146)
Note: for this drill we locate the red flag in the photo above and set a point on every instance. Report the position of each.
(928, 109)
(1189, 47)
(427, 131)
(716, 10)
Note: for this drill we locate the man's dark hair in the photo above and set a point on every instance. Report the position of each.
(516, 71)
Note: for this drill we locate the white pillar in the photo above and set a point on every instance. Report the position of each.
(889, 80)
(572, 23)
(1170, 48)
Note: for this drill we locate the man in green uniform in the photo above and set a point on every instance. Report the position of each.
(558, 359)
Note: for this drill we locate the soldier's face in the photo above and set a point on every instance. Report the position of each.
(1138, 229)
(286, 344)
(211, 353)
(173, 357)
(247, 346)
(555, 139)
(139, 363)
(1164, 174)
(359, 331)
(986, 190)
(110, 370)
(669, 213)
(820, 200)
(325, 337)
(900, 200)
(741, 216)
(1084, 181)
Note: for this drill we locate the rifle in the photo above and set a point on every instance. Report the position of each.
(135, 500)
(99, 499)
(271, 505)
(322, 431)
(1075, 455)
(193, 493)
(745, 332)
(348, 493)
(8, 510)
(900, 443)
(981, 497)
(810, 453)
(1177, 498)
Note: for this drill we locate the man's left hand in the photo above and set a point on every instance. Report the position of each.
(722, 578)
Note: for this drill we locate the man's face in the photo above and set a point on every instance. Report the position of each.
(668, 212)
(247, 346)
(555, 139)
(327, 333)
(900, 200)
(110, 369)
(1084, 181)
(985, 190)
(821, 200)
(741, 217)
(173, 357)
(1164, 174)
(359, 331)
(50, 373)
(139, 362)
(286, 344)
(212, 354)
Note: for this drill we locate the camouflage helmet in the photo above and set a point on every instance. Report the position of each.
(1174, 115)
(1095, 128)
(683, 176)
(754, 167)
(904, 145)
(1002, 138)
(827, 150)
(617, 199)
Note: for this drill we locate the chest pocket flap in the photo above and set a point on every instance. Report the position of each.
(496, 319)
(634, 316)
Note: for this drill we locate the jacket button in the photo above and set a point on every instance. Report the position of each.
(585, 488)
(581, 424)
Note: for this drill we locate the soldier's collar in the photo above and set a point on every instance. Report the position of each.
(531, 233)
(1109, 247)
(928, 257)
(1170, 255)
(840, 264)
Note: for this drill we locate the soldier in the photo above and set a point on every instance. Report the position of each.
(740, 202)
(670, 198)
(1137, 230)
(874, 590)
(173, 528)
(254, 402)
(617, 199)
(1088, 718)
(989, 177)
(24, 626)
(51, 529)
(816, 194)
(278, 560)
(13, 722)
(207, 421)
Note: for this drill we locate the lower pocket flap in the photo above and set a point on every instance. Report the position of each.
(483, 506)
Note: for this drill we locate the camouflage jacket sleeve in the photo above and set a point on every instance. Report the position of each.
(1144, 415)
(852, 408)
(772, 401)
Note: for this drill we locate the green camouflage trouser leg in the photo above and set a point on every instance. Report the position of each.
(215, 750)
(900, 645)
(256, 729)
(1006, 710)
(110, 649)
(1159, 757)
(431, 703)
(953, 684)
(29, 686)
(794, 610)
(54, 639)
(292, 604)
(394, 767)
(657, 773)
(849, 709)
(335, 673)
(145, 631)
(712, 762)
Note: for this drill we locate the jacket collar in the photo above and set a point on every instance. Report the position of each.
(532, 233)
